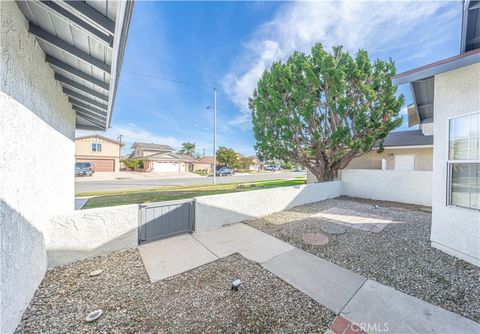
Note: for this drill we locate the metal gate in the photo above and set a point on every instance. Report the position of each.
(165, 219)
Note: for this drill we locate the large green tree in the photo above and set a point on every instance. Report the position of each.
(227, 157)
(323, 109)
(188, 149)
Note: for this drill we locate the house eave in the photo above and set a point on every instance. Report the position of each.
(442, 66)
(407, 147)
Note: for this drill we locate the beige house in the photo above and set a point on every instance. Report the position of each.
(103, 152)
(159, 158)
(204, 164)
(403, 150)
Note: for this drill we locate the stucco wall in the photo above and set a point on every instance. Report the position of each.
(373, 160)
(414, 187)
(36, 162)
(92, 232)
(454, 230)
(218, 210)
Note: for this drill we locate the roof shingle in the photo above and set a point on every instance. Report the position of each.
(407, 138)
(154, 147)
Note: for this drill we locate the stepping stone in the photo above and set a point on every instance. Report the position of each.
(315, 239)
(333, 229)
(355, 219)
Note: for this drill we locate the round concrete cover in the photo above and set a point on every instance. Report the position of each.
(315, 239)
(92, 316)
(331, 228)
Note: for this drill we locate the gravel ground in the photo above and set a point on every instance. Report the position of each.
(400, 256)
(199, 301)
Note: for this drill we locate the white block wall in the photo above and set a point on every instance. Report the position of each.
(36, 162)
(413, 187)
(217, 210)
(87, 233)
(455, 231)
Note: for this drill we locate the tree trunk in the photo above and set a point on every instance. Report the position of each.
(323, 175)
(326, 176)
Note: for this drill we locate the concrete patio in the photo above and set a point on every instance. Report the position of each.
(344, 292)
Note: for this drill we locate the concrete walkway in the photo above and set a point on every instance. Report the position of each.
(373, 306)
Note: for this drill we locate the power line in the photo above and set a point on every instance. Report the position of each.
(171, 80)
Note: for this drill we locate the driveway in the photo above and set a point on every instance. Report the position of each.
(124, 184)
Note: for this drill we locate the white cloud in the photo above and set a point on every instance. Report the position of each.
(374, 26)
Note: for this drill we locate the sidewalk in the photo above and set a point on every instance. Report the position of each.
(372, 306)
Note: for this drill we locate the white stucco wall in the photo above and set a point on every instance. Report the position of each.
(217, 210)
(454, 230)
(87, 233)
(36, 162)
(413, 187)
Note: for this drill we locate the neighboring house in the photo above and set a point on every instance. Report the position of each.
(103, 152)
(59, 70)
(447, 95)
(167, 163)
(204, 164)
(160, 158)
(142, 150)
(403, 150)
(257, 165)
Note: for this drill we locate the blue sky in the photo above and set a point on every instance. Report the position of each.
(178, 51)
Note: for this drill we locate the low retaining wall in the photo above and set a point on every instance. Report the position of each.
(92, 232)
(413, 187)
(218, 210)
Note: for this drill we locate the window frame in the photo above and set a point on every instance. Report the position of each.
(451, 162)
(96, 150)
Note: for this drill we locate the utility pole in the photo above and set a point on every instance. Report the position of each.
(120, 151)
(214, 136)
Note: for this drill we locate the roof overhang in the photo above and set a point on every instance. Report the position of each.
(430, 70)
(422, 84)
(470, 38)
(407, 147)
(84, 43)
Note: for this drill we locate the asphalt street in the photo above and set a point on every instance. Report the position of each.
(89, 186)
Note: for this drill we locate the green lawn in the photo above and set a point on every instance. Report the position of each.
(112, 198)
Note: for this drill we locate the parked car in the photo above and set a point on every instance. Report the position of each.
(225, 171)
(84, 169)
(299, 169)
(273, 168)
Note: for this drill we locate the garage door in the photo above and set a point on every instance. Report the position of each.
(103, 165)
(166, 167)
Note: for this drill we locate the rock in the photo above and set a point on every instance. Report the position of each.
(92, 316)
(95, 273)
